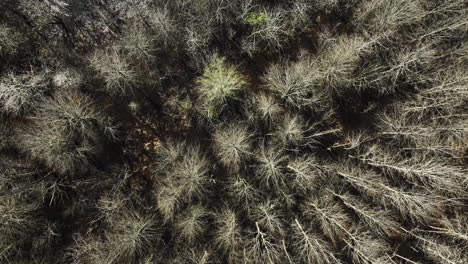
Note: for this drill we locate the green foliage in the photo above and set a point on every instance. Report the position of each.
(267, 31)
(219, 84)
(256, 18)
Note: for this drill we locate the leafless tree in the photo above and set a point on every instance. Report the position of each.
(191, 225)
(311, 247)
(232, 145)
(20, 92)
(330, 217)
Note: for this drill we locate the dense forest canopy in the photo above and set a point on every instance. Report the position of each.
(233, 131)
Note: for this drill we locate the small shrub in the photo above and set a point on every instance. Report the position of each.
(254, 18)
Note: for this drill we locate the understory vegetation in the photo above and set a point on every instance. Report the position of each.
(234, 131)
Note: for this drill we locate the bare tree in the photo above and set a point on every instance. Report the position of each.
(364, 248)
(243, 192)
(228, 232)
(139, 45)
(438, 251)
(10, 41)
(191, 225)
(296, 84)
(164, 26)
(232, 145)
(305, 172)
(428, 172)
(118, 74)
(267, 29)
(19, 222)
(270, 169)
(290, 131)
(330, 217)
(132, 236)
(19, 93)
(261, 248)
(414, 205)
(86, 250)
(187, 178)
(67, 130)
(381, 222)
(266, 108)
(384, 18)
(310, 247)
(269, 218)
(337, 63)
